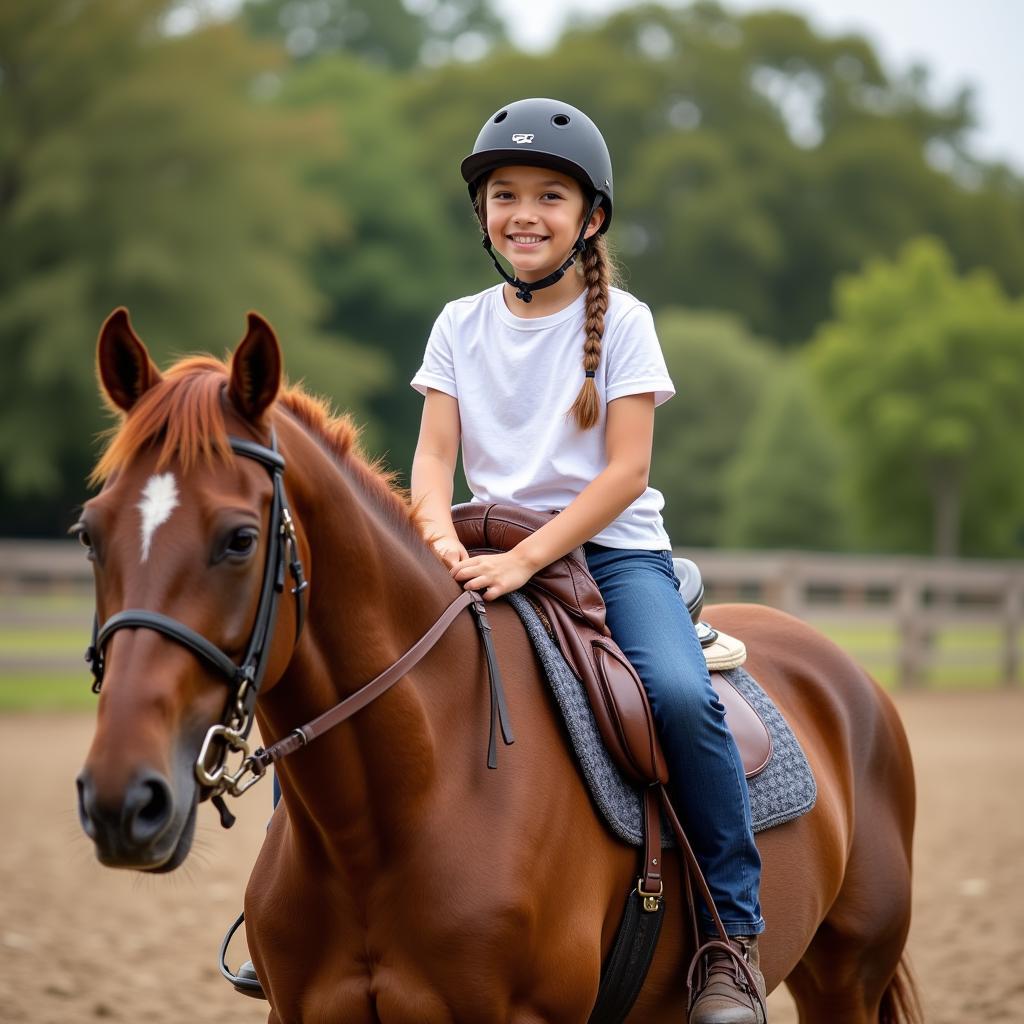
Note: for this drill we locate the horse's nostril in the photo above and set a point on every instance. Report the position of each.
(149, 808)
(83, 814)
(156, 809)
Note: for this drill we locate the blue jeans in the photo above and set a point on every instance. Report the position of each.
(650, 622)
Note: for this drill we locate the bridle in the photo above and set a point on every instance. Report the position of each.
(246, 678)
(243, 679)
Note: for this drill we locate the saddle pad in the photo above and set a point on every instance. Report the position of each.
(784, 790)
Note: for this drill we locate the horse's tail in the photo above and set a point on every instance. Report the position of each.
(901, 1001)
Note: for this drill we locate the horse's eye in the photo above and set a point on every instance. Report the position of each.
(242, 542)
(79, 531)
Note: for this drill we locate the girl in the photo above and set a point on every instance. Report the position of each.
(550, 382)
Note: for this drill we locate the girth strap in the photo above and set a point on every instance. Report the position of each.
(629, 961)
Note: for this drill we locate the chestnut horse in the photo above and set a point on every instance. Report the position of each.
(401, 880)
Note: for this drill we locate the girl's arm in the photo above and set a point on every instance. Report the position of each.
(629, 437)
(433, 470)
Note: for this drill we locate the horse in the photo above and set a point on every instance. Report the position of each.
(400, 879)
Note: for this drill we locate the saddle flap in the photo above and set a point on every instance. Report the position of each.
(614, 691)
(628, 708)
(751, 734)
(493, 527)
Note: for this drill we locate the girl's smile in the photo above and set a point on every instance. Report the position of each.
(527, 242)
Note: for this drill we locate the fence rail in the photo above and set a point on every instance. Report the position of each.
(919, 602)
(916, 597)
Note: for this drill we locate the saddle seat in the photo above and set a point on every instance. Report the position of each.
(574, 610)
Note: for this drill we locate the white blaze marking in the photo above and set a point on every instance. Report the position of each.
(159, 500)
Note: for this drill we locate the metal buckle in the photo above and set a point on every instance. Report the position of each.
(287, 526)
(232, 741)
(233, 783)
(652, 900)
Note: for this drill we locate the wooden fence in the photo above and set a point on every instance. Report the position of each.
(914, 602)
(918, 599)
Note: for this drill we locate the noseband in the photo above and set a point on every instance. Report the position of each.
(246, 678)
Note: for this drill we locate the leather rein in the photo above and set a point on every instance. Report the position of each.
(246, 678)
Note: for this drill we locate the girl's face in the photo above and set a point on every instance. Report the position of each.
(534, 216)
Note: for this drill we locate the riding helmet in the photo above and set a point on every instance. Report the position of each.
(544, 133)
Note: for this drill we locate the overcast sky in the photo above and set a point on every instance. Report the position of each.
(977, 42)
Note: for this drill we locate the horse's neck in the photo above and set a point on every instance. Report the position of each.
(372, 596)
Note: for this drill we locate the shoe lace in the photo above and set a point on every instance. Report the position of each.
(726, 958)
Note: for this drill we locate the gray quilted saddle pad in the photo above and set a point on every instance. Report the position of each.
(782, 791)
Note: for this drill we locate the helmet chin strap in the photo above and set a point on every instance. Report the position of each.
(525, 289)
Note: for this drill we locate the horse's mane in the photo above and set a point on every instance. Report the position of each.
(184, 414)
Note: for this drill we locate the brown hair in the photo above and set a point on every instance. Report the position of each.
(599, 271)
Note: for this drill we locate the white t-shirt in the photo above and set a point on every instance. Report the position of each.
(515, 378)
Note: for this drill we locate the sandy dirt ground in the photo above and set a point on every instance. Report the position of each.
(79, 943)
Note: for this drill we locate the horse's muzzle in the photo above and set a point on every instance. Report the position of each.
(141, 830)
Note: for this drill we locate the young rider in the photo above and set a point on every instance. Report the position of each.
(550, 381)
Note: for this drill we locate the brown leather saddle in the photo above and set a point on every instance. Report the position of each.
(571, 604)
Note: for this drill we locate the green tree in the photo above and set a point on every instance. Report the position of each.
(143, 170)
(391, 33)
(783, 487)
(384, 267)
(719, 370)
(924, 372)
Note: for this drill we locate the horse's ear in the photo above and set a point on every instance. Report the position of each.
(255, 369)
(125, 369)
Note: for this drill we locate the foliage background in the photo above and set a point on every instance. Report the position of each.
(837, 279)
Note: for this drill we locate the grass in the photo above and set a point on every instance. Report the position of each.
(28, 640)
(53, 628)
(47, 604)
(47, 692)
(967, 657)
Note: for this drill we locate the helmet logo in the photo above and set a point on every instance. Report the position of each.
(520, 137)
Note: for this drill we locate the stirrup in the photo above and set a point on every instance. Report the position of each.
(245, 983)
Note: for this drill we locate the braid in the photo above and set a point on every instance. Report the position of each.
(598, 271)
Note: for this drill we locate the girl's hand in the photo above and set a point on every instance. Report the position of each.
(451, 550)
(495, 574)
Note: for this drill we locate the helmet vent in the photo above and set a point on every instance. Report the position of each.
(560, 120)
(500, 116)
